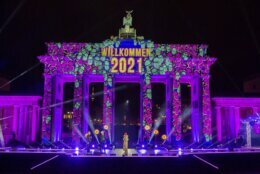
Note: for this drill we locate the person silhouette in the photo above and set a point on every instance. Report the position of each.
(125, 144)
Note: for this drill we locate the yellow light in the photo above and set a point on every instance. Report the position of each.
(96, 131)
(147, 127)
(164, 137)
(156, 132)
(105, 127)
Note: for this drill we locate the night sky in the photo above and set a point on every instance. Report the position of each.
(231, 28)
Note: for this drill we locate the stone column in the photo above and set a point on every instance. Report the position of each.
(15, 119)
(86, 116)
(2, 138)
(34, 123)
(26, 125)
(20, 124)
(77, 109)
(57, 108)
(196, 109)
(168, 85)
(232, 126)
(46, 111)
(218, 123)
(147, 108)
(107, 105)
(206, 108)
(248, 134)
(237, 120)
(140, 140)
(176, 110)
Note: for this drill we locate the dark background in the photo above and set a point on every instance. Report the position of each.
(230, 28)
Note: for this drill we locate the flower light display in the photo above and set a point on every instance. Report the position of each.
(81, 59)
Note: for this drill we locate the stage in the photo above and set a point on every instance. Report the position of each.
(240, 160)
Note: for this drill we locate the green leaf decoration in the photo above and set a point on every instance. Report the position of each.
(59, 45)
(174, 51)
(76, 84)
(85, 57)
(147, 62)
(90, 61)
(149, 93)
(201, 52)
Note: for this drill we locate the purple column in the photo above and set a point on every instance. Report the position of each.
(15, 119)
(25, 125)
(108, 114)
(86, 116)
(141, 112)
(34, 123)
(196, 108)
(57, 108)
(206, 108)
(147, 111)
(237, 120)
(232, 123)
(168, 106)
(113, 110)
(47, 101)
(218, 123)
(77, 109)
(176, 110)
(20, 123)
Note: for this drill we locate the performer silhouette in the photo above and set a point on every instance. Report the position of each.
(102, 140)
(125, 144)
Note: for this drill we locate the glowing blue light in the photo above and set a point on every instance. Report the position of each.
(93, 146)
(105, 145)
(191, 150)
(142, 151)
(77, 152)
(62, 149)
(142, 145)
(156, 151)
(92, 151)
(77, 149)
(107, 151)
(156, 146)
(179, 151)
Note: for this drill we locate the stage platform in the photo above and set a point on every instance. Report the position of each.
(243, 160)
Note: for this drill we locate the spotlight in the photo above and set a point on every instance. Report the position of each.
(155, 146)
(96, 131)
(93, 146)
(156, 151)
(77, 151)
(179, 151)
(164, 137)
(142, 145)
(142, 151)
(156, 132)
(105, 127)
(127, 101)
(107, 151)
(105, 146)
(147, 127)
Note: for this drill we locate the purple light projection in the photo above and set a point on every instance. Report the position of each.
(173, 62)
